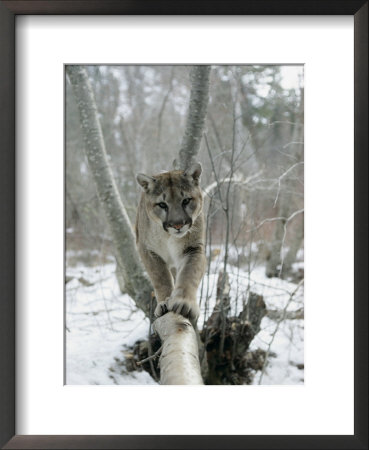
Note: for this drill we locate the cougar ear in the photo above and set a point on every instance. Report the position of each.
(194, 171)
(145, 181)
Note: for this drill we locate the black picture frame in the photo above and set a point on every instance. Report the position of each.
(8, 12)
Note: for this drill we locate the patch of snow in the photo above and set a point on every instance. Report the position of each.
(300, 254)
(99, 321)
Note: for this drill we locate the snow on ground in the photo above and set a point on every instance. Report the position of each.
(101, 323)
(99, 320)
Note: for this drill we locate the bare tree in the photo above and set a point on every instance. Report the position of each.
(136, 283)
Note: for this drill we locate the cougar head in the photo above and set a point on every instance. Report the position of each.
(173, 199)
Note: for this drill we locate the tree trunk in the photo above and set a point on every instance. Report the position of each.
(196, 115)
(235, 364)
(179, 359)
(129, 265)
(273, 264)
(294, 247)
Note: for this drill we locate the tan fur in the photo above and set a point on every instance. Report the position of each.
(171, 240)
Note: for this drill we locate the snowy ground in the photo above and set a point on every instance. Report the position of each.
(101, 323)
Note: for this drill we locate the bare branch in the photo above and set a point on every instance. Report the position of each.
(280, 178)
(274, 219)
(149, 358)
(235, 180)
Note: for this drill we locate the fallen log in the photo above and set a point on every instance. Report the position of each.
(179, 359)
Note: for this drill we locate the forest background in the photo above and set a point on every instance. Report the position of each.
(252, 157)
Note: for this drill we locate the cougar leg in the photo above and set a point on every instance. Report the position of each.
(160, 276)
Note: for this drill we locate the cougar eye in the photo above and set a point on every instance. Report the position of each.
(162, 205)
(186, 201)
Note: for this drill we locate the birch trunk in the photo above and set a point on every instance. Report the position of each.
(195, 122)
(179, 359)
(129, 265)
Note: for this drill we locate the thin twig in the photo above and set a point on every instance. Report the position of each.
(149, 358)
(281, 177)
(273, 219)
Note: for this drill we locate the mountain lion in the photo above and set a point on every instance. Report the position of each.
(170, 238)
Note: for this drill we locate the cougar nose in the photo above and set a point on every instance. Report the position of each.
(177, 226)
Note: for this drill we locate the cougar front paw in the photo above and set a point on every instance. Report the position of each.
(161, 309)
(185, 307)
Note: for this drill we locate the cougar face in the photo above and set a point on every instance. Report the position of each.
(173, 199)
